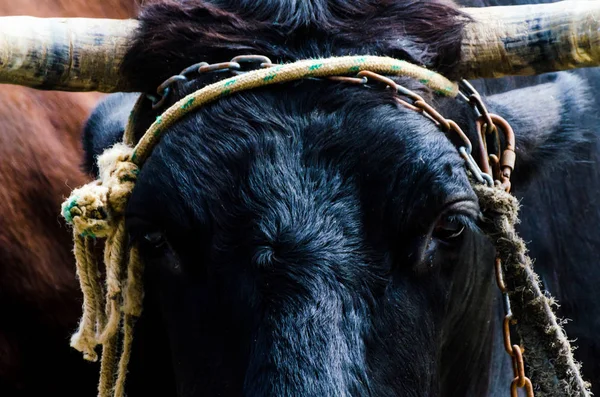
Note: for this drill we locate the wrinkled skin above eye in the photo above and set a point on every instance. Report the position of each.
(448, 228)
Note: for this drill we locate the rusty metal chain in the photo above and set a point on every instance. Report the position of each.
(421, 106)
(501, 167)
(237, 65)
(494, 165)
(514, 351)
(493, 162)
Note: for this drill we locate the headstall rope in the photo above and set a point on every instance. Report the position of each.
(97, 210)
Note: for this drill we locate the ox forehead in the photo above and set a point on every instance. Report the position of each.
(295, 157)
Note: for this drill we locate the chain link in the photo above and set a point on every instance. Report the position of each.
(419, 105)
(497, 165)
(514, 351)
(500, 166)
(238, 65)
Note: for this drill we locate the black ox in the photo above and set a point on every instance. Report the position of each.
(314, 238)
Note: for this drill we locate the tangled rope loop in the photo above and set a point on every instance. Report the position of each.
(94, 209)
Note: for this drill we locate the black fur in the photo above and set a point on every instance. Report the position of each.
(175, 35)
(111, 114)
(299, 255)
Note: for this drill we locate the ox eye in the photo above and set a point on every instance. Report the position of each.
(448, 228)
(155, 239)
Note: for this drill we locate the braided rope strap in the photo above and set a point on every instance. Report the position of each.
(549, 354)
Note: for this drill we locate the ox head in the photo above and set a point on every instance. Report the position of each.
(314, 238)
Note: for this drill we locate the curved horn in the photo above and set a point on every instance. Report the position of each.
(66, 54)
(531, 39)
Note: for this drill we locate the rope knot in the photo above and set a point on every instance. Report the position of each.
(497, 201)
(94, 208)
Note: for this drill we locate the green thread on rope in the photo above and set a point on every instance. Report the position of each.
(158, 119)
(428, 78)
(188, 104)
(315, 66)
(67, 207)
(273, 70)
(444, 91)
(88, 233)
(128, 178)
(230, 82)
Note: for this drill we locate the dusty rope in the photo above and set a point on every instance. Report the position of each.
(541, 333)
(96, 211)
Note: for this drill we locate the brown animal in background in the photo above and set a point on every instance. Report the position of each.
(40, 161)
